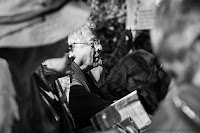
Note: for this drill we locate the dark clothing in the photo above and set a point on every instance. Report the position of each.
(148, 99)
(32, 116)
(98, 90)
(55, 108)
(180, 112)
(84, 105)
(82, 102)
(20, 97)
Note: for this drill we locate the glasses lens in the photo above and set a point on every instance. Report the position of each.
(69, 48)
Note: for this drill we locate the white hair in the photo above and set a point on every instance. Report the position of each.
(78, 35)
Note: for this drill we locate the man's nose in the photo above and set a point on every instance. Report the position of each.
(99, 48)
(71, 55)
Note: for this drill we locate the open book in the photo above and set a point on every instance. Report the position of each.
(128, 107)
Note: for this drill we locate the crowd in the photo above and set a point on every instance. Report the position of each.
(53, 78)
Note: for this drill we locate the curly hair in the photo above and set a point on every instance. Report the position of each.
(130, 65)
(79, 34)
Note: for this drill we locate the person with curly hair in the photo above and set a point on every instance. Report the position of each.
(132, 73)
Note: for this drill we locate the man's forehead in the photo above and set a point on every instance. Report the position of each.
(89, 35)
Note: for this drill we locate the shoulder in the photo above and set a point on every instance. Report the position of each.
(78, 89)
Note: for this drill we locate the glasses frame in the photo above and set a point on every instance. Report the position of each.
(92, 43)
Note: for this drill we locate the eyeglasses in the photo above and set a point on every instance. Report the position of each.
(70, 48)
(92, 43)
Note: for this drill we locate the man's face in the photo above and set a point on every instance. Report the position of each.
(87, 51)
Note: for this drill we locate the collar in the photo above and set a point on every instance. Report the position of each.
(79, 77)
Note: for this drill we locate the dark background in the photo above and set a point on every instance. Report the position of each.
(110, 18)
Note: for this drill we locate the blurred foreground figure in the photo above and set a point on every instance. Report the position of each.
(31, 32)
(54, 96)
(176, 41)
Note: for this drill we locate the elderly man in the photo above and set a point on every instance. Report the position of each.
(176, 42)
(83, 102)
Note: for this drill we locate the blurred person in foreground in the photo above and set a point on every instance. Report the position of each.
(175, 40)
(53, 94)
(31, 32)
(83, 101)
